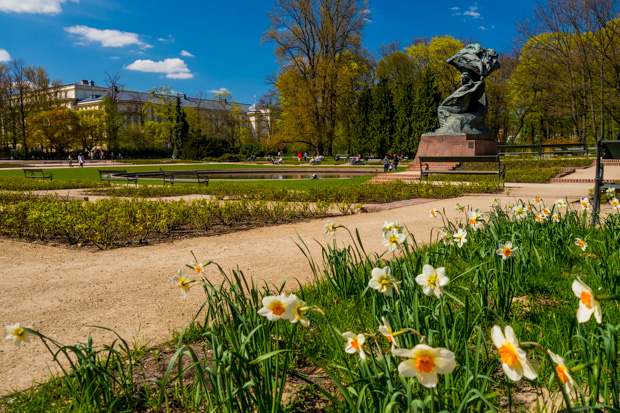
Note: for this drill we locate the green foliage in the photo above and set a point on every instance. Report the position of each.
(381, 119)
(180, 129)
(428, 99)
(361, 142)
(404, 124)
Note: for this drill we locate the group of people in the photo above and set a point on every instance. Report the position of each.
(390, 163)
(93, 155)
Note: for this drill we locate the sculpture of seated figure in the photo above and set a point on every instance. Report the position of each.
(465, 109)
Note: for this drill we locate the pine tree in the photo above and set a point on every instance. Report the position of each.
(180, 130)
(382, 119)
(425, 114)
(404, 120)
(361, 123)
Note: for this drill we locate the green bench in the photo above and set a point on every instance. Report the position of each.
(37, 174)
(604, 150)
(117, 175)
(426, 161)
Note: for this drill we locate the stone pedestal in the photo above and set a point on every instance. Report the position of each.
(463, 144)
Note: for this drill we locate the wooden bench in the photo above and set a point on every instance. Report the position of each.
(604, 150)
(117, 175)
(37, 174)
(425, 162)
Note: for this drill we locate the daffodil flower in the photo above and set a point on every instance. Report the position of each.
(199, 267)
(389, 226)
(518, 211)
(581, 244)
(610, 191)
(446, 237)
(432, 280)
(585, 204)
(556, 218)
(538, 201)
(562, 371)
(460, 237)
(546, 211)
(560, 203)
(514, 359)
(278, 306)
(383, 281)
(184, 283)
(298, 313)
(506, 250)
(17, 334)
(354, 344)
(475, 219)
(330, 227)
(615, 203)
(432, 213)
(387, 331)
(540, 218)
(588, 304)
(459, 207)
(393, 239)
(425, 362)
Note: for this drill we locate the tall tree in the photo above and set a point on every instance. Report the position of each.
(361, 123)
(428, 99)
(54, 129)
(405, 120)
(180, 130)
(382, 119)
(316, 43)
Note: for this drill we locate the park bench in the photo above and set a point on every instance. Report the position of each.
(507, 149)
(426, 161)
(117, 175)
(604, 150)
(37, 174)
(546, 149)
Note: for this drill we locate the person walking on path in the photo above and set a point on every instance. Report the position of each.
(70, 159)
(396, 159)
(386, 164)
(80, 160)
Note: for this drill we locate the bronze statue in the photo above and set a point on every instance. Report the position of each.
(465, 109)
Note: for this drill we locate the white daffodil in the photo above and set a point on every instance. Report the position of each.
(615, 203)
(519, 211)
(184, 283)
(389, 226)
(198, 266)
(581, 244)
(354, 344)
(330, 227)
(432, 280)
(425, 362)
(460, 237)
(506, 250)
(560, 203)
(17, 334)
(459, 207)
(383, 281)
(432, 213)
(298, 312)
(585, 203)
(393, 239)
(280, 306)
(514, 358)
(562, 371)
(610, 192)
(446, 237)
(546, 211)
(538, 201)
(588, 304)
(475, 219)
(540, 218)
(556, 217)
(387, 331)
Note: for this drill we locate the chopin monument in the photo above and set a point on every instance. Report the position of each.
(462, 131)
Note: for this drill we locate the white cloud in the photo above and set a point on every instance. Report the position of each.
(32, 6)
(472, 11)
(166, 39)
(4, 56)
(482, 28)
(217, 91)
(114, 57)
(107, 38)
(173, 68)
(186, 53)
(455, 8)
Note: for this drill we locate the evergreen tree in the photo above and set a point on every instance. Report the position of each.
(361, 123)
(425, 114)
(180, 130)
(382, 119)
(404, 120)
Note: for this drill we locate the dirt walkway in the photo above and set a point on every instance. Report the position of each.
(60, 291)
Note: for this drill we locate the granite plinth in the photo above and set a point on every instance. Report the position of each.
(432, 144)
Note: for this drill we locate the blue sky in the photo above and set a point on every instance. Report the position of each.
(208, 45)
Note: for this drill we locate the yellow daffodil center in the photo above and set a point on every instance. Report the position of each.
(355, 344)
(432, 282)
(424, 364)
(507, 252)
(197, 268)
(581, 243)
(472, 221)
(561, 370)
(20, 332)
(537, 200)
(614, 203)
(393, 239)
(586, 298)
(432, 212)
(584, 204)
(389, 338)
(508, 354)
(385, 282)
(278, 308)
